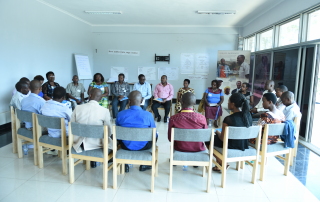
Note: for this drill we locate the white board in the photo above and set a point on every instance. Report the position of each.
(202, 64)
(149, 72)
(83, 66)
(187, 63)
(115, 71)
(172, 73)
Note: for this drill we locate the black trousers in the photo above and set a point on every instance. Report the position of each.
(167, 106)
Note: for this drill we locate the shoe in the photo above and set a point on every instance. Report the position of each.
(195, 166)
(144, 168)
(126, 168)
(110, 161)
(93, 164)
(159, 118)
(165, 119)
(53, 152)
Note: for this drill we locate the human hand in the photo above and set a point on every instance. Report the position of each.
(254, 110)
(78, 101)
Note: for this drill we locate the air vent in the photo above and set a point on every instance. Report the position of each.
(217, 12)
(104, 12)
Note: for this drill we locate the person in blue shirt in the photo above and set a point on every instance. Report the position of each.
(55, 108)
(135, 117)
(33, 103)
(41, 79)
(145, 89)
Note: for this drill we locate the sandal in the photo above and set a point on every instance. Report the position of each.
(218, 169)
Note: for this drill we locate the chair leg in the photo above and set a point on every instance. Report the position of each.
(19, 148)
(223, 173)
(209, 179)
(296, 147)
(35, 153)
(242, 164)
(170, 176)
(254, 172)
(156, 162)
(204, 171)
(152, 176)
(238, 166)
(122, 168)
(118, 170)
(40, 157)
(59, 154)
(115, 168)
(71, 169)
(287, 163)
(14, 138)
(105, 175)
(262, 167)
(291, 157)
(64, 162)
(84, 162)
(88, 166)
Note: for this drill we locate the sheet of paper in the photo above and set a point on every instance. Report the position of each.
(83, 66)
(143, 102)
(187, 63)
(172, 73)
(149, 72)
(202, 63)
(158, 99)
(198, 77)
(124, 98)
(212, 104)
(115, 71)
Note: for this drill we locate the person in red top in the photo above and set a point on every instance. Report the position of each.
(187, 119)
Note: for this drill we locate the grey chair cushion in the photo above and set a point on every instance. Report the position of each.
(50, 140)
(144, 155)
(279, 146)
(25, 132)
(232, 153)
(134, 134)
(190, 156)
(93, 153)
(49, 122)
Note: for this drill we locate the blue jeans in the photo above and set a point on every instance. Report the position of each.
(145, 106)
(115, 103)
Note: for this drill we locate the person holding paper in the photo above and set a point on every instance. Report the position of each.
(145, 89)
(213, 98)
(98, 82)
(163, 93)
(181, 92)
(75, 91)
(120, 91)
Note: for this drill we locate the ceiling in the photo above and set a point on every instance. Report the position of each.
(164, 12)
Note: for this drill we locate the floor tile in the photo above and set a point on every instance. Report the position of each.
(139, 195)
(7, 151)
(223, 198)
(19, 169)
(5, 161)
(9, 185)
(174, 197)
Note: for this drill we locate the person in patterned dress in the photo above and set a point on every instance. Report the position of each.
(98, 82)
(181, 92)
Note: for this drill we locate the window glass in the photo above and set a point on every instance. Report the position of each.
(314, 26)
(266, 40)
(289, 33)
(250, 44)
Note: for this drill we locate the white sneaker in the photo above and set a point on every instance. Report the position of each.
(54, 153)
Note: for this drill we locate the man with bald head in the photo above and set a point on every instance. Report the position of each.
(292, 110)
(187, 119)
(33, 103)
(135, 117)
(223, 69)
(91, 114)
(258, 109)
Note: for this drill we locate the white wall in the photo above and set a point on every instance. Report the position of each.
(35, 39)
(280, 12)
(162, 41)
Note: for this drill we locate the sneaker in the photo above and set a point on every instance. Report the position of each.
(53, 153)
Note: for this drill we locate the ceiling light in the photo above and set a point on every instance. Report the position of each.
(225, 12)
(104, 12)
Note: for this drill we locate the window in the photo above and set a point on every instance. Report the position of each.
(314, 26)
(250, 44)
(266, 40)
(289, 33)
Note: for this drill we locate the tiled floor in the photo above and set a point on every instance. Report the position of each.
(20, 180)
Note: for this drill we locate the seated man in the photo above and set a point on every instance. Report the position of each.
(291, 110)
(145, 89)
(135, 117)
(187, 119)
(22, 91)
(237, 89)
(119, 90)
(33, 103)
(258, 109)
(279, 91)
(92, 114)
(75, 91)
(163, 90)
(24, 80)
(55, 108)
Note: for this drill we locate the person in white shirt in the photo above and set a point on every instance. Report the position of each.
(25, 80)
(145, 89)
(279, 91)
(292, 110)
(22, 90)
(258, 109)
(244, 69)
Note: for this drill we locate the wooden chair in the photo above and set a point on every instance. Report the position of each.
(26, 135)
(202, 158)
(102, 155)
(13, 129)
(235, 155)
(273, 149)
(294, 151)
(43, 140)
(143, 157)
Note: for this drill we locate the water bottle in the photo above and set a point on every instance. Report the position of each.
(168, 121)
(25, 149)
(130, 165)
(210, 124)
(98, 164)
(185, 168)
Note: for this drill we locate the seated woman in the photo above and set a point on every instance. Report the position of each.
(98, 82)
(182, 91)
(247, 94)
(49, 86)
(241, 117)
(272, 116)
(214, 96)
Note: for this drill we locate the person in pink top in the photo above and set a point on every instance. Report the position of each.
(163, 90)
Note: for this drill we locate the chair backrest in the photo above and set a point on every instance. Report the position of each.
(83, 130)
(49, 121)
(134, 134)
(24, 115)
(275, 129)
(192, 135)
(243, 132)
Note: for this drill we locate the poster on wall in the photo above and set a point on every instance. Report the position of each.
(172, 73)
(202, 64)
(233, 69)
(187, 63)
(149, 72)
(115, 71)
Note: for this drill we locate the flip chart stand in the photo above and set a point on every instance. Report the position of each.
(161, 59)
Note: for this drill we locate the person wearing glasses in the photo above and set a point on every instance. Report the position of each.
(49, 86)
